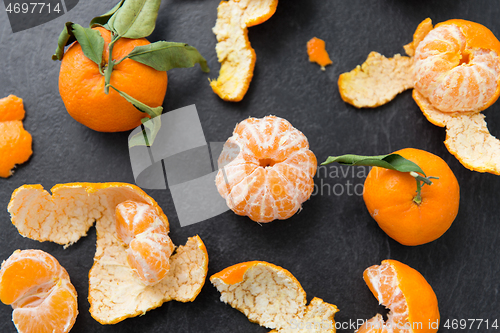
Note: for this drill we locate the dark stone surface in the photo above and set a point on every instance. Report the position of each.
(329, 244)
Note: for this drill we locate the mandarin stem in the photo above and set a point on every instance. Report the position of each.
(421, 181)
(109, 69)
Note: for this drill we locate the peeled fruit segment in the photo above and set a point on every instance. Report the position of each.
(453, 73)
(271, 174)
(412, 303)
(40, 292)
(15, 141)
(272, 297)
(115, 291)
(146, 236)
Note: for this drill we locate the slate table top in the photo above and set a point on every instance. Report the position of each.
(333, 239)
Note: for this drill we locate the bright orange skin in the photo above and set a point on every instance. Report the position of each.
(389, 198)
(234, 274)
(81, 86)
(420, 298)
(15, 141)
(317, 52)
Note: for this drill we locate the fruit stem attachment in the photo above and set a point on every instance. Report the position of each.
(421, 181)
(111, 63)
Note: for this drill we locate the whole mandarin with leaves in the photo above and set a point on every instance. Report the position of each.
(391, 199)
(81, 86)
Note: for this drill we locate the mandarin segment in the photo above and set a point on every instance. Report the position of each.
(453, 72)
(234, 52)
(115, 292)
(377, 81)
(40, 292)
(271, 173)
(149, 247)
(15, 141)
(272, 297)
(404, 291)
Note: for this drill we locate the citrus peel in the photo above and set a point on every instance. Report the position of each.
(412, 304)
(456, 75)
(234, 52)
(377, 81)
(467, 136)
(317, 52)
(272, 297)
(115, 292)
(15, 141)
(40, 292)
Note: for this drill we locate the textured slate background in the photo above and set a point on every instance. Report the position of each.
(329, 244)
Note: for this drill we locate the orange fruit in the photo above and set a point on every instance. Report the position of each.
(404, 291)
(115, 291)
(271, 174)
(234, 52)
(145, 234)
(390, 198)
(40, 292)
(317, 52)
(81, 86)
(272, 297)
(15, 141)
(457, 66)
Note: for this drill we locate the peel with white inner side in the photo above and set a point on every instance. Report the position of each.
(272, 297)
(115, 293)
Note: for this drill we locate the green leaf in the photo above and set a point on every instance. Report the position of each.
(148, 135)
(104, 18)
(164, 56)
(391, 161)
(152, 112)
(66, 37)
(91, 42)
(135, 18)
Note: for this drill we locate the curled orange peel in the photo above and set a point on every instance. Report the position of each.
(455, 75)
(361, 86)
(15, 141)
(272, 297)
(115, 292)
(234, 52)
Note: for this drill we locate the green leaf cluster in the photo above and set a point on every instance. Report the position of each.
(130, 19)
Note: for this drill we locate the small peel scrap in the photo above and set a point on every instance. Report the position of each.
(272, 297)
(361, 86)
(317, 52)
(15, 141)
(234, 52)
(115, 293)
(467, 136)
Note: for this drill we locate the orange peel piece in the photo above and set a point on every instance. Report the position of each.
(234, 52)
(15, 141)
(317, 52)
(467, 136)
(422, 30)
(272, 297)
(377, 81)
(115, 292)
(40, 292)
(412, 303)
